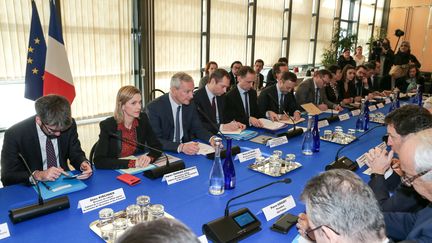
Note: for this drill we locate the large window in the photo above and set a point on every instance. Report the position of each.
(300, 32)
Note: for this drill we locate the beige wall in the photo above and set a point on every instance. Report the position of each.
(415, 18)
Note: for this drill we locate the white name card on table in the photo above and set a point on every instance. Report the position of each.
(101, 200)
(355, 112)
(361, 161)
(387, 101)
(382, 145)
(323, 123)
(278, 208)
(4, 231)
(203, 239)
(344, 117)
(277, 141)
(372, 108)
(180, 175)
(251, 154)
(380, 105)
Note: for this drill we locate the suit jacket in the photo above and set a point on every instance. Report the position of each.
(332, 95)
(305, 93)
(108, 149)
(270, 78)
(23, 138)
(260, 80)
(203, 103)
(342, 62)
(268, 101)
(161, 119)
(416, 227)
(351, 90)
(361, 90)
(233, 80)
(234, 109)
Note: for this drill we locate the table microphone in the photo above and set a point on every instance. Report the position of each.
(158, 171)
(344, 162)
(39, 209)
(234, 150)
(237, 225)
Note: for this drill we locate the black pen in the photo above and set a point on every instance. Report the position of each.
(46, 185)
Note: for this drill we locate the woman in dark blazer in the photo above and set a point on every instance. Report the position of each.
(346, 85)
(130, 125)
(332, 89)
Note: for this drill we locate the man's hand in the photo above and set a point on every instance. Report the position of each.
(395, 165)
(232, 126)
(379, 160)
(143, 161)
(303, 225)
(338, 108)
(347, 101)
(273, 116)
(297, 115)
(190, 148)
(86, 169)
(255, 122)
(50, 174)
(323, 107)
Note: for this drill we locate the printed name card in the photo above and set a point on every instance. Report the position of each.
(4, 231)
(180, 175)
(278, 208)
(380, 105)
(387, 100)
(344, 117)
(323, 123)
(101, 200)
(361, 161)
(372, 108)
(355, 112)
(382, 145)
(251, 154)
(277, 141)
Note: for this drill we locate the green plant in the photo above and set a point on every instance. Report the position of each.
(337, 44)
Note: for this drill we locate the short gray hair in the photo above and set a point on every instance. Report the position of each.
(423, 153)
(179, 77)
(54, 110)
(341, 200)
(162, 230)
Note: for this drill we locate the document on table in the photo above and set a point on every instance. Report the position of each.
(331, 111)
(61, 186)
(237, 131)
(267, 124)
(205, 149)
(289, 121)
(161, 161)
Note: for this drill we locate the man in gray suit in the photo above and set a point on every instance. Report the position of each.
(312, 91)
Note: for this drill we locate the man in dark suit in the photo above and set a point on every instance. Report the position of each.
(46, 141)
(174, 117)
(415, 155)
(258, 67)
(362, 83)
(241, 101)
(312, 91)
(210, 101)
(277, 70)
(271, 77)
(278, 99)
(235, 66)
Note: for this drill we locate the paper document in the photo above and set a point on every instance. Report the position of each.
(237, 131)
(161, 161)
(289, 121)
(331, 111)
(205, 149)
(268, 124)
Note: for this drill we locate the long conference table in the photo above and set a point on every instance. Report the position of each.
(189, 200)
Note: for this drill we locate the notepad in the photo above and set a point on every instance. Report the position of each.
(270, 125)
(60, 187)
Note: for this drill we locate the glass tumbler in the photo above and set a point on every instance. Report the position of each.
(144, 203)
(106, 217)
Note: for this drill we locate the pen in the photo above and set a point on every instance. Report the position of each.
(45, 185)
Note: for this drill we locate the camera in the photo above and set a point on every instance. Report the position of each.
(399, 33)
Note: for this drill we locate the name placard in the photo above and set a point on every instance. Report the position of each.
(278, 208)
(4, 231)
(277, 141)
(251, 154)
(344, 117)
(355, 112)
(361, 161)
(323, 123)
(180, 175)
(387, 101)
(101, 200)
(380, 105)
(382, 145)
(372, 108)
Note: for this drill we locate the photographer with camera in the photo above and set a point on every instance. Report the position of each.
(382, 53)
(404, 56)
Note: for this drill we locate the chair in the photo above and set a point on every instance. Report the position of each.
(92, 151)
(153, 92)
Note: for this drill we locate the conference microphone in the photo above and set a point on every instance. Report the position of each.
(39, 209)
(237, 225)
(290, 132)
(344, 162)
(158, 171)
(234, 150)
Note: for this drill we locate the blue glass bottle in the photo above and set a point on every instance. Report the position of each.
(307, 146)
(216, 182)
(316, 135)
(366, 115)
(392, 104)
(228, 168)
(360, 118)
(397, 100)
(419, 95)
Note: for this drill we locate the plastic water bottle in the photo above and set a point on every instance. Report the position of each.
(216, 182)
(307, 145)
(228, 168)
(316, 135)
(393, 103)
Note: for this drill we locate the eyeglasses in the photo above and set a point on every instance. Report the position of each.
(311, 236)
(50, 130)
(408, 180)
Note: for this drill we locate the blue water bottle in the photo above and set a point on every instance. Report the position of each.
(419, 95)
(360, 119)
(216, 183)
(228, 168)
(366, 115)
(316, 136)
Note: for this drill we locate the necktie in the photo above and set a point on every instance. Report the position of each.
(177, 125)
(281, 104)
(51, 157)
(317, 96)
(246, 104)
(213, 104)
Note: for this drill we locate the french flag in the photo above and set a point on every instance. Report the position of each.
(58, 77)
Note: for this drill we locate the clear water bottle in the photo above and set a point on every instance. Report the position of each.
(216, 183)
(316, 135)
(360, 118)
(393, 103)
(228, 168)
(307, 145)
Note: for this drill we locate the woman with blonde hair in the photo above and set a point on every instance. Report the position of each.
(359, 58)
(120, 134)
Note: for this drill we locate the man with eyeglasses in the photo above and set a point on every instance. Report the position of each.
(400, 123)
(46, 141)
(340, 207)
(415, 155)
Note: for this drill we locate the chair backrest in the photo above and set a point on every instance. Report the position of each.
(92, 151)
(153, 93)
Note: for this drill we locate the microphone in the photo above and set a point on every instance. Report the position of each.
(344, 162)
(237, 225)
(289, 133)
(234, 150)
(158, 171)
(41, 208)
